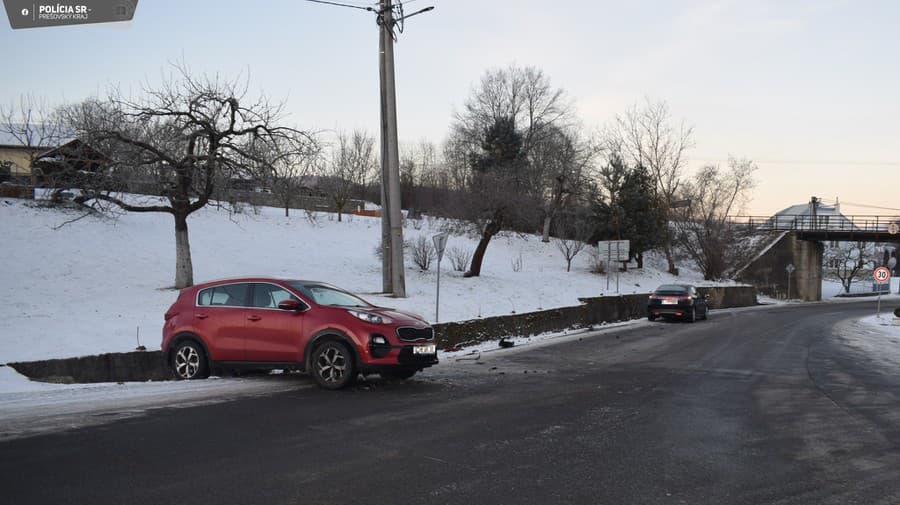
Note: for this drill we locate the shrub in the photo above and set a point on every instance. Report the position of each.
(596, 262)
(422, 253)
(377, 252)
(517, 263)
(459, 258)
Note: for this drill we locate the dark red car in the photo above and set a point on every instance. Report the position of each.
(292, 324)
(677, 300)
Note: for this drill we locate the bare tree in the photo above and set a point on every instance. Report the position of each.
(457, 152)
(286, 164)
(650, 138)
(184, 137)
(524, 94)
(348, 171)
(847, 261)
(569, 249)
(561, 162)
(703, 228)
(420, 175)
(35, 125)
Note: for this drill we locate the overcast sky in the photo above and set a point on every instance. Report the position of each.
(809, 90)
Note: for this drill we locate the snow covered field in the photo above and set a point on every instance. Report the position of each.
(91, 285)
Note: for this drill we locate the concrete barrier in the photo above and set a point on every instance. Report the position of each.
(143, 366)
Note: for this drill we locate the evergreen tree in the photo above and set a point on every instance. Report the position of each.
(629, 210)
(642, 219)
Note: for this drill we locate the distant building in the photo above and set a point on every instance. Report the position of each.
(21, 147)
(72, 164)
(813, 215)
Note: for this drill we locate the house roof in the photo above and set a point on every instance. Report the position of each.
(804, 209)
(826, 217)
(73, 154)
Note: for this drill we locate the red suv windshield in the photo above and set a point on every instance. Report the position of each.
(322, 294)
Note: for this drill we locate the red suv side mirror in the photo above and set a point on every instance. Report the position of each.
(289, 305)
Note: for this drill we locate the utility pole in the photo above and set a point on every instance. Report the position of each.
(391, 152)
(387, 285)
(393, 278)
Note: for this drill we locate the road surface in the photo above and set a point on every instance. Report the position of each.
(786, 405)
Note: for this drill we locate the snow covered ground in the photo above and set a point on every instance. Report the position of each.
(98, 284)
(876, 337)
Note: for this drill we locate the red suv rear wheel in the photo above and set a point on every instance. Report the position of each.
(189, 361)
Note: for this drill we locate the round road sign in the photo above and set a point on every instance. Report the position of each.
(881, 275)
(894, 228)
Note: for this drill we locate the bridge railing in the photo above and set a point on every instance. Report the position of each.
(816, 223)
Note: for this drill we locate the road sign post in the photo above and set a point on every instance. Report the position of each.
(440, 242)
(881, 275)
(614, 251)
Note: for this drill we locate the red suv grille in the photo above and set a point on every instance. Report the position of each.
(410, 334)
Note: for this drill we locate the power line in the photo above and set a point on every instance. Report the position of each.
(810, 162)
(339, 4)
(867, 206)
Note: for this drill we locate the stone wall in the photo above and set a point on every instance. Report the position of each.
(112, 367)
(591, 311)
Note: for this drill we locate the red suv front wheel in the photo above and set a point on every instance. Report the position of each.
(333, 366)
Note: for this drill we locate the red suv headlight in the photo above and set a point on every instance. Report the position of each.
(370, 318)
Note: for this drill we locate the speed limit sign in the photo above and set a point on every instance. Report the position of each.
(881, 275)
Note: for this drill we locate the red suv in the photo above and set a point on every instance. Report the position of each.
(296, 325)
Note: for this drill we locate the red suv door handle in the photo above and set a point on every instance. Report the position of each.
(253, 318)
(200, 316)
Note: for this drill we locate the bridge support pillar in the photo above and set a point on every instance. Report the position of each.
(808, 262)
(768, 271)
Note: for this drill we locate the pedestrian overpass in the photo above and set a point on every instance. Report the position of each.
(798, 240)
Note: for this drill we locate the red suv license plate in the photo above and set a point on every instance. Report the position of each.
(424, 349)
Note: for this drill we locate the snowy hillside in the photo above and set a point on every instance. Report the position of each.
(86, 287)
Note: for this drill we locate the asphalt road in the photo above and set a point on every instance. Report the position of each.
(774, 406)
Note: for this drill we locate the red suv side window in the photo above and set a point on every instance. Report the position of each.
(231, 295)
